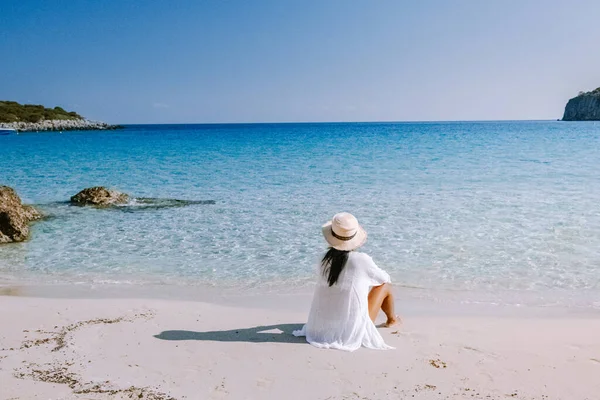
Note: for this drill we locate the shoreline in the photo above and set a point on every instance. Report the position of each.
(59, 125)
(410, 301)
(173, 350)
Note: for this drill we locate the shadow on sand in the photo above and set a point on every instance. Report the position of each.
(281, 333)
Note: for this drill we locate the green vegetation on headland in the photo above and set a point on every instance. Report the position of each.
(36, 118)
(11, 111)
(591, 92)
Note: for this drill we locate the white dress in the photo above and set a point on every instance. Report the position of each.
(339, 315)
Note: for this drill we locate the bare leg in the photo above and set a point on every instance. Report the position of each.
(381, 298)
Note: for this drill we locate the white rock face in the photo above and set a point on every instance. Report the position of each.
(58, 125)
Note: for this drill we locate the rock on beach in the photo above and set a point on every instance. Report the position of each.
(14, 216)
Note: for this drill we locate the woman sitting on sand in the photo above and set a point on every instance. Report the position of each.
(350, 291)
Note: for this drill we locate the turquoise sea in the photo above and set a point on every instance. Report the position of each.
(498, 212)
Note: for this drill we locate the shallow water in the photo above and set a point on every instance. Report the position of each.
(497, 211)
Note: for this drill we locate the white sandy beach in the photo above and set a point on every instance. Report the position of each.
(161, 349)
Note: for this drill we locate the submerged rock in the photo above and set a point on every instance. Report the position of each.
(14, 216)
(584, 107)
(102, 197)
(99, 196)
(150, 202)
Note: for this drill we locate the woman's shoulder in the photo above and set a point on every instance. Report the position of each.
(358, 255)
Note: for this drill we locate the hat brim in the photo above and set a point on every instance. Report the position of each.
(345, 245)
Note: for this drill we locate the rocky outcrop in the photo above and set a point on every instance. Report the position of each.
(58, 125)
(584, 107)
(14, 216)
(102, 197)
(99, 196)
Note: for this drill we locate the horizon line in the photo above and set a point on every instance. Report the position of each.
(344, 122)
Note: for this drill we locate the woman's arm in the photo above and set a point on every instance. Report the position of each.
(376, 275)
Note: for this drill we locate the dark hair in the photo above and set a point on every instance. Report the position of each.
(333, 264)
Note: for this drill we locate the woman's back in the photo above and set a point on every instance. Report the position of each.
(339, 315)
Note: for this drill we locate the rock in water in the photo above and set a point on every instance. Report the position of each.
(154, 203)
(584, 107)
(14, 216)
(99, 196)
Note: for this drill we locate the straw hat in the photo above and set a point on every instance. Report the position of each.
(344, 233)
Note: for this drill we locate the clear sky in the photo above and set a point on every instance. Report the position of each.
(132, 61)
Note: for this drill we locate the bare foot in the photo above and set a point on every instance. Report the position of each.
(391, 322)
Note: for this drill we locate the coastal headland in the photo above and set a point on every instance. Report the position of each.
(584, 107)
(35, 118)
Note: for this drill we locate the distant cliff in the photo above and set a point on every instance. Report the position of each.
(584, 107)
(32, 117)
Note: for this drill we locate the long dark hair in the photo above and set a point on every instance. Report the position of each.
(333, 264)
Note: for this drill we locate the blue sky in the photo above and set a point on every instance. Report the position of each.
(330, 60)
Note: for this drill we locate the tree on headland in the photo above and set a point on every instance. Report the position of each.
(591, 92)
(11, 111)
